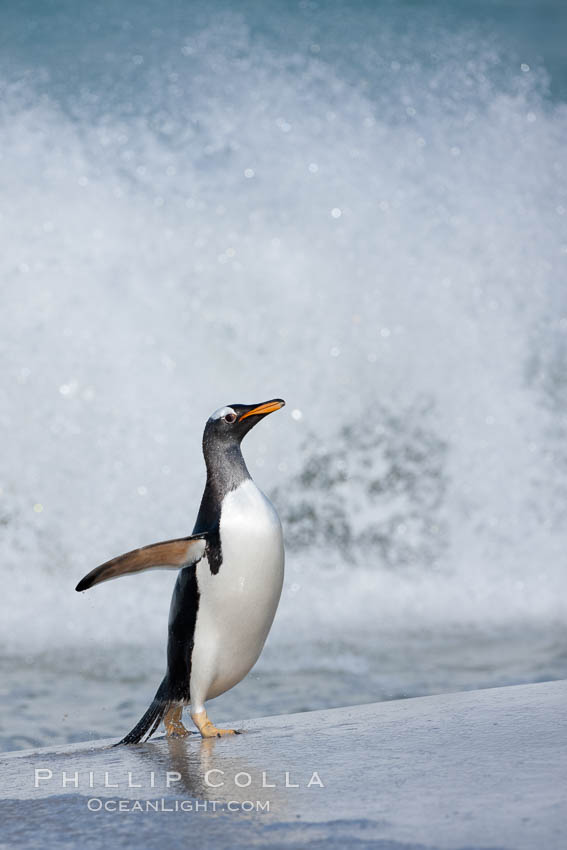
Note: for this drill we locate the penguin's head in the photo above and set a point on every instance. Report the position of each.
(228, 425)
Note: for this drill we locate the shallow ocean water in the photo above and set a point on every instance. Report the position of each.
(359, 207)
(74, 695)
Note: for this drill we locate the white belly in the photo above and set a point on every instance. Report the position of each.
(238, 604)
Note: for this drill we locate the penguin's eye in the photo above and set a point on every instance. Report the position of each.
(230, 418)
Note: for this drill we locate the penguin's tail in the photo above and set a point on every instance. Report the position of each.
(150, 720)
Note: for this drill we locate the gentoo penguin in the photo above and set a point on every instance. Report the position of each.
(229, 583)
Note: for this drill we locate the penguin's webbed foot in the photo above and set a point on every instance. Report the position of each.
(208, 729)
(174, 728)
(211, 731)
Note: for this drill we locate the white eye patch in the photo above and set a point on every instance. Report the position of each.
(222, 411)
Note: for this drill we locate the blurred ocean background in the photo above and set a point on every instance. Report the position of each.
(360, 207)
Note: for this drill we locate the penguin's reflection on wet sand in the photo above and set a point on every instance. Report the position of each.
(208, 769)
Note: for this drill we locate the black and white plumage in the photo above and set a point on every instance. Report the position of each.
(228, 587)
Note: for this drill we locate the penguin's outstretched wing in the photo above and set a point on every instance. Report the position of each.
(171, 554)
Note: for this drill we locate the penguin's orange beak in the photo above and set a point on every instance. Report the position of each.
(264, 409)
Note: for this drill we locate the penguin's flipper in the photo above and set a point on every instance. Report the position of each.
(171, 554)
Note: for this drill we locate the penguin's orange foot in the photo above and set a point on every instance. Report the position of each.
(211, 731)
(174, 728)
(208, 729)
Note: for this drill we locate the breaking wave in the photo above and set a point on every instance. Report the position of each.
(361, 213)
